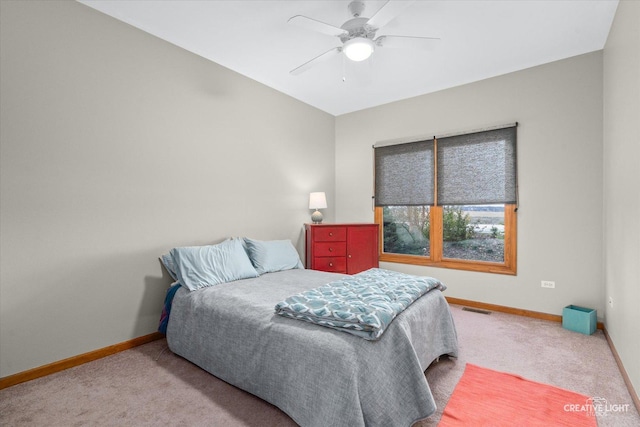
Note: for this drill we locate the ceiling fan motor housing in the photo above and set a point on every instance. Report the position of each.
(357, 27)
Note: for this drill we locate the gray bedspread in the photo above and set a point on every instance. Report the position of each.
(318, 376)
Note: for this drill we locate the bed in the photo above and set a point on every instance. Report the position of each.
(317, 375)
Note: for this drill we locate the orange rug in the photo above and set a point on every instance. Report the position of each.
(484, 397)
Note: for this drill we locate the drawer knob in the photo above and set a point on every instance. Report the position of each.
(330, 249)
(349, 255)
(330, 234)
(330, 264)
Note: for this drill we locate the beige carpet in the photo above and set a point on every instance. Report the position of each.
(149, 386)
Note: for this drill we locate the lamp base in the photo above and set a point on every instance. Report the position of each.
(316, 217)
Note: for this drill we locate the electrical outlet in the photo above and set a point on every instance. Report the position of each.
(610, 302)
(548, 284)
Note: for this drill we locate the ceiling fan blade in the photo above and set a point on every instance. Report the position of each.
(320, 58)
(387, 12)
(407, 42)
(315, 25)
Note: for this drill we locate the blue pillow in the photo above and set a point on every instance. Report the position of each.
(197, 267)
(273, 255)
(167, 261)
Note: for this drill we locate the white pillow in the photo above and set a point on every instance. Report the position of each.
(272, 255)
(197, 267)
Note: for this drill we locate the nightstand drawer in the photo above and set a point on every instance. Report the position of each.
(330, 234)
(336, 265)
(333, 249)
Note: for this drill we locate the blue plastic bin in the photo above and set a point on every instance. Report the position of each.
(579, 319)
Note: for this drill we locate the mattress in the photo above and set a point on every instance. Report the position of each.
(317, 375)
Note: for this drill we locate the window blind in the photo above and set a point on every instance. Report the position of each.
(404, 174)
(477, 168)
(473, 168)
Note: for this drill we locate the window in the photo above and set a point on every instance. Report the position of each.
(449, 202)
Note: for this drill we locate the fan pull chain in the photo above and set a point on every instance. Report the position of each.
(344, 69)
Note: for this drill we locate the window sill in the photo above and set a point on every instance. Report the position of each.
(457, 264)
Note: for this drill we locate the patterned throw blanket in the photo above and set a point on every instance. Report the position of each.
(363, 304)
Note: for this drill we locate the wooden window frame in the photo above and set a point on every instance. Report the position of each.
(437, 260)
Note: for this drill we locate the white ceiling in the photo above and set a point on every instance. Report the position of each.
(479, 39)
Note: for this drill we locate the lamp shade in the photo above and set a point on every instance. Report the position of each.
(359, 48)
(317, 200)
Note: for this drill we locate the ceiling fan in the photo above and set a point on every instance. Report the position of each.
(358, 34)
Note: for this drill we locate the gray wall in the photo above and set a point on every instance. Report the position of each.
(115, 147)
(622, 185)
(559, 110)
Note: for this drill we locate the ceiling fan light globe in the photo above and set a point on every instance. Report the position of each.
(358, 48)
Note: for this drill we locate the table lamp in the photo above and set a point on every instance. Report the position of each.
(317, 200)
